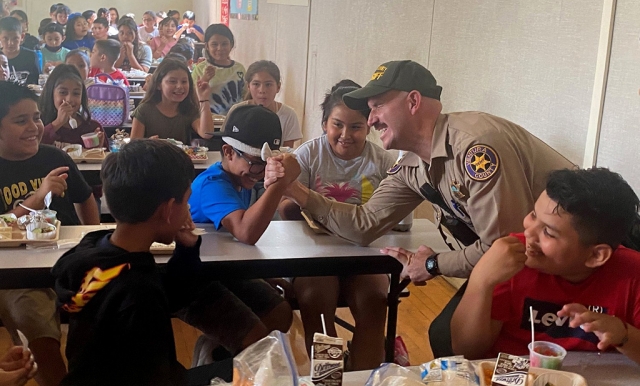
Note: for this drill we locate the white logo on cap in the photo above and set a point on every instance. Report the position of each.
(235, 129)
(276, 141)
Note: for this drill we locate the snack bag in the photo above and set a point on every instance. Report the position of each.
(449, 371)
(391, 374)
(267, 362)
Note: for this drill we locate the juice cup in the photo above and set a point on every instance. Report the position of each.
(49, 215)
(546, 355)
(90, 140)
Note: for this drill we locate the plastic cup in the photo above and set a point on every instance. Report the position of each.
(115, 144)
(49, 215)
(90, 140)
(546, 355)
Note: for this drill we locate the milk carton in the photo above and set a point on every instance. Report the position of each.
(327, 360)
(510, 370)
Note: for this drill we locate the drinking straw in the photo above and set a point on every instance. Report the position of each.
(324, 327)
(533, 339)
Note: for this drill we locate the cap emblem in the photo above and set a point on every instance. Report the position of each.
(378, 73)
(235, 129)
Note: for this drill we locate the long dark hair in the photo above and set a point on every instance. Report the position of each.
(216, 29)
(117, 15)
(334, 98)
(71, 32)
(131, 24)
(261, 65)
(189, 105)
(59, 74)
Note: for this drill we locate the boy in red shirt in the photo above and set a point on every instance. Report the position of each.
(105, 53)
(568, 265)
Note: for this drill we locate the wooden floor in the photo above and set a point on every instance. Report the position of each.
(414, 317)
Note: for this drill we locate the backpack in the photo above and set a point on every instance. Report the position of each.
(108, 102)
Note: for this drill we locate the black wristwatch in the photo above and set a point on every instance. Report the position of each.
(432, 265)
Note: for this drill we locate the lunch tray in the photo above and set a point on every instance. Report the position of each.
(576, 379)
(90, 157)
(200, 160)
(19, 237)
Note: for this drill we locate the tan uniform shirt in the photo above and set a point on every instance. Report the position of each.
(488, 170)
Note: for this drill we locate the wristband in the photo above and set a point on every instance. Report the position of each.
(626, 336)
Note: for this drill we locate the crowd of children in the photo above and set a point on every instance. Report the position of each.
(154, 196)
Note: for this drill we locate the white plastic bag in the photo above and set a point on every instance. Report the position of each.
(269, 361)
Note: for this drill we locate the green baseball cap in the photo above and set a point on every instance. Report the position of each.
(403, 75)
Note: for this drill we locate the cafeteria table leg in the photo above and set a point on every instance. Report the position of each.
(395, 288)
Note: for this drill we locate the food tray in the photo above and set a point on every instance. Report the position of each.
(198, 159)
(19, 237)
(575, 379)
(90, 157)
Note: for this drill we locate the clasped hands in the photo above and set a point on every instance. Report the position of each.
(281, 169)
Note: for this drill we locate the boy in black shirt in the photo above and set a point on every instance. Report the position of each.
(21, 59)
(120, 306)
(28, 171)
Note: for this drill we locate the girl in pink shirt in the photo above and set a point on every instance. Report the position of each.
(160, 45)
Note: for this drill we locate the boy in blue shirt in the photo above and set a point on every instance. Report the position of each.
(245, 310)
(222, 193)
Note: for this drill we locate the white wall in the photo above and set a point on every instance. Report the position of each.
(620, 135)
(532, 62)
(280, 35)
(350, 39)
(39, 9)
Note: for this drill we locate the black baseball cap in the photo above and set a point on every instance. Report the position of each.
(247, 128)
(403, 75)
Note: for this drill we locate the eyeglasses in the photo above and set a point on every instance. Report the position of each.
(254, 166)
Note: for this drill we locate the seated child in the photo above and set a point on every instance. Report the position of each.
(80, 60)
(343, 165)
(64, 97)
(61, 14)
(189, 28)
(227, 84)
(569, 266)
(148, 29)
(221, 194)
(173, 106)
(21, 59)
(78, 35)
(100, 29)
(262, 80)
(134, 54)
(161, 44)
(52, 52)
(120, 333)
(28, 171)
(28, 41)
(102, 60)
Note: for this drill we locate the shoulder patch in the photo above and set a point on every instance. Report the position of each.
(396, 166)
(481, 162)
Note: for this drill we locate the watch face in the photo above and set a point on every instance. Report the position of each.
(431, 264)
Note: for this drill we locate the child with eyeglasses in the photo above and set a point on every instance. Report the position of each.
(245, 310)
